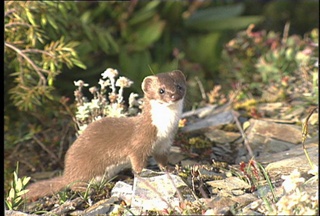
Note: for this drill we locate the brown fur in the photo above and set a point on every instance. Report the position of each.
(110, 142)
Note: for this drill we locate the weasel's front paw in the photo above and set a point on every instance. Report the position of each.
(136, 173)
(167, 168)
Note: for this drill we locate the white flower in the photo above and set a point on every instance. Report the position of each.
(97, 118)
(94, 104)
(80, 83)
(124, 82)
(109, 73)
(93, 90)
(104, 83)
(114, 110)
(81, 128)
(83, 112)
(292, 181)
(132, 100)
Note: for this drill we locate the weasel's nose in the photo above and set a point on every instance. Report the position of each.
(175, 97)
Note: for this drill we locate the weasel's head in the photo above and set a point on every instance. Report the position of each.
(166, 88)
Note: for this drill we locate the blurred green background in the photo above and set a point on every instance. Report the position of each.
(49, 45)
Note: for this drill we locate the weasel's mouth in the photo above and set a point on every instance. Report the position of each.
(172, 101)
(175, 97)
(167, 103)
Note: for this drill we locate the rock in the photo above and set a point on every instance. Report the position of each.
(267, 158)
(200, 112)
(158, 191)
(283, 163)
(270, 137)
(221, 118)
(229, 184)
(123, 191)
(261, 145)
(188, 163)
(274, 146)
(251, 208)
(270, 107)
(17, 213)
(284, 132)
(265, 129)
(220, 136)
(103, 207)
(223, 205)
(244, 199)
(300, 162)
(295, 113)
(224, 152)
(175, 155)
(219, 206)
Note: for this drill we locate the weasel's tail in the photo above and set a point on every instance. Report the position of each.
(44, 188)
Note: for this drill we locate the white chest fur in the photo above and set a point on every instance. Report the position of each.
(166, 118)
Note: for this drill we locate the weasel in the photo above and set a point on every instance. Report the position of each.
(109, 145)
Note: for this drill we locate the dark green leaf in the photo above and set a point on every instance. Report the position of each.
(234, 23)
(214, 14)
(135, 64)
(149, 33)
(205, 49)
(146, 13)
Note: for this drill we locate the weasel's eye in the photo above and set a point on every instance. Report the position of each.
(179, 87)
(161, 91)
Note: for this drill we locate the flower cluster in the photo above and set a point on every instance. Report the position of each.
(265, 60)
(296, 200)
(106, 101)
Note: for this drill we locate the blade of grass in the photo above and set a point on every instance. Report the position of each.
(305, 133)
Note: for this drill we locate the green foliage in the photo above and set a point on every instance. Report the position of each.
(32, 61)
(132, 36)
(14, 199)
(136, 36)
(35, 54)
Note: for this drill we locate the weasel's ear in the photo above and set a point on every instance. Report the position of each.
(147, 83)
(179, 74)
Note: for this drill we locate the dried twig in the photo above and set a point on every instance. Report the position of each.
(69, 205)
(285, 32)
(39, 70)
(246, 142)
(62, 141)
(203, 93)
(53, 156)
(178, 192)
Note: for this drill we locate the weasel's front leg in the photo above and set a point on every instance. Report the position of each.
(138, 162)
(161, 159)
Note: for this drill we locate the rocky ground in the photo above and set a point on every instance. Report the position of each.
(223, 163)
